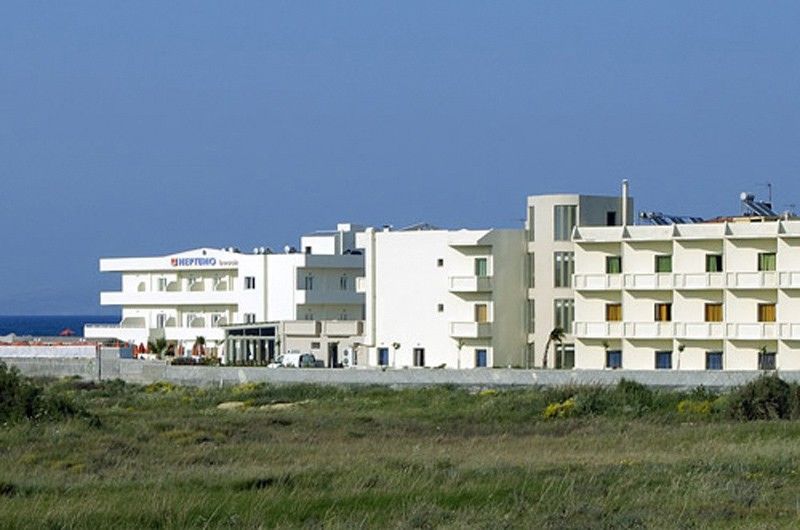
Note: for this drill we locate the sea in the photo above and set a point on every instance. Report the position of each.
(51, 325)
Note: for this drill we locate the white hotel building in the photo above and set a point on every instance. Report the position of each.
(474, 298)
(194, 293)
(716, 295)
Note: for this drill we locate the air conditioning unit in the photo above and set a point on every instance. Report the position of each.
(349, 359)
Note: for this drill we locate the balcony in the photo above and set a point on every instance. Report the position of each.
(191, 333)
(752, 280)
(169, 298)
(648, 330)
(598, 330)
(790, 331)
(700, 280)
(342, 328)
(470, 330)
(700, 330)
(308, 328)
(650, 281)
(127, 332)
(597, 282)
(752, 331)
(789, 280)
(470, 284)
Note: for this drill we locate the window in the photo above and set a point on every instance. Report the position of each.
(419, 356)
(531, 270)
(531, 224)
(614, 359)
(440, 262)
(481, 267)
(766, 312)
(308, 315)
(713, 360)
(611, 218)
(565, 358)
(161, 319)
(663, 263)
(383, 356)
(713, 312)
(480, 358)
(766, 360)
(249, 318)
(481, 313)
(162, 284)
(564, 313)
(215, 319)
(663, 360)
(564, 220)
(315, 345)
(713, 262)
(343, 283)
(249, 282)
(531, 316)
(440, 308)
(613, 264)
(613, 312)
(343, 314)
(663, 312)
(564, 268)
(308, 283)
(308, 250)
(766, 261)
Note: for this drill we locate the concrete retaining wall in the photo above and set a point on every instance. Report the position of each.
(145, 372)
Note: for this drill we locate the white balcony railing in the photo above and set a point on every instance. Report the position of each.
(598, 330)
(752, 280)
(789, 280)
(648, 330)
(752, 331)
(470, 330)
(361, 285)
(597, 282)
(700, 330)
(790, 331)
(470, 284)
(661, 280)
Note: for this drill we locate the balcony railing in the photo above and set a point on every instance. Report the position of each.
(591, 282)
(470, 330)
(598, 330)
(700, 330)
(752, 280)
(686, 280)
(752, 331)
(470, 284)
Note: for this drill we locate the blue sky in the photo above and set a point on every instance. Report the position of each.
(138, 128)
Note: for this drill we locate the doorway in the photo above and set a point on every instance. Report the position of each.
(333, 355)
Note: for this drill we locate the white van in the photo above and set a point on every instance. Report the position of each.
(294, 360)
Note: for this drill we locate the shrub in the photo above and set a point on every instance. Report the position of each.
(690, 407)
(20, 399)
(766, 398)
(560, 410)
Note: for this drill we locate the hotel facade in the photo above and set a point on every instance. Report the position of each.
(200, 292)
(709, 296)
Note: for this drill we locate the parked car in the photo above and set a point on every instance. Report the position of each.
(295, 360)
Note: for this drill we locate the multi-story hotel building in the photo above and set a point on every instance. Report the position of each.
(473, 298)
(195, 293)
(715, 295)
(551, 263)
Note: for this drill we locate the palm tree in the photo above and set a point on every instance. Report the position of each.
(556, 335)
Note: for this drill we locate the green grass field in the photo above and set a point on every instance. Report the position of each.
(317, 457)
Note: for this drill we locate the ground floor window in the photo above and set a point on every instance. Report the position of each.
(663, 360)
(419, 356)
(383, 356)
(614, 359)
(565, 356)
(766, 360)
(714, 360)
(480, 358)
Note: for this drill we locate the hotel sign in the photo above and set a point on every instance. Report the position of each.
(194, 262)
